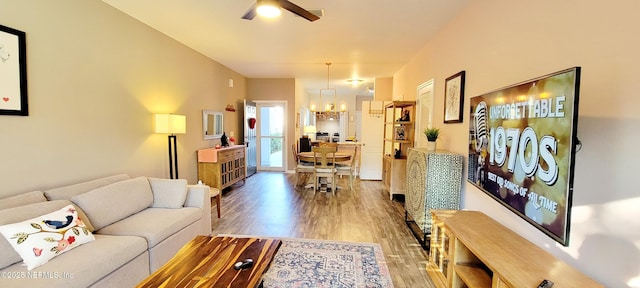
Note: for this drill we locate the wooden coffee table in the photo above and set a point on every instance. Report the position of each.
(209, 262)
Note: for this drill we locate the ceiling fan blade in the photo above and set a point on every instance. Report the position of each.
(251, 13)
(295, 9)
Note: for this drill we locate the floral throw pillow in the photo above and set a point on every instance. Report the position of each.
(40, 239)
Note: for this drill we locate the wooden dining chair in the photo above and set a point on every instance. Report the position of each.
(348, 168)
(324, 166)
(328, 144)
(301, 167)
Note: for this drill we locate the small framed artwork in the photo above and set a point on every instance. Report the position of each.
(454, 98)
(13, 72)
(399, 133)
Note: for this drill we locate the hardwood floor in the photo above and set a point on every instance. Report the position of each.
(268, 204)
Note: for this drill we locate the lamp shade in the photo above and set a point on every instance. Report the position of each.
(309, 129)
(170, 124)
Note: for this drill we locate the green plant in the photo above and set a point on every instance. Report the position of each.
(432, 133)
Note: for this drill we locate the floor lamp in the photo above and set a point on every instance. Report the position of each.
(171, 124)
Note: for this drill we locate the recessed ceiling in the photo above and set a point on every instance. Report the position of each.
(363, 39)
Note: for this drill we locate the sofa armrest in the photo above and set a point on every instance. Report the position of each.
(198, 196)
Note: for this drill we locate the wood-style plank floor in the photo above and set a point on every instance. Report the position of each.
(269, 204)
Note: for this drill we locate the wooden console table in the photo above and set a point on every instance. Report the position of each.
(221, 168)
(208, 262)
(469, 249)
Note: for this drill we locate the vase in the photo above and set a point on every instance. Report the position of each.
(431, 145)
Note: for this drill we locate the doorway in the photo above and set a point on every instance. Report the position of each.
(424, 111)
(271, 139)
(250, 136)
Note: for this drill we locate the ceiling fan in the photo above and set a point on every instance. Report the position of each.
(275, 5)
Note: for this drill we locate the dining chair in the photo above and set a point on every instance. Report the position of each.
(328, 144)
(301, 167)
(348, 168)
(324, 166)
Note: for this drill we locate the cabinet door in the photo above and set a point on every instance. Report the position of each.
(386, 172)
(415, 201)
(444, 180)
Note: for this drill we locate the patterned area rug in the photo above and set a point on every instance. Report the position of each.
(327, 264)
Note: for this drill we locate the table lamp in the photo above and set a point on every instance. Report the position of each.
(309, 130)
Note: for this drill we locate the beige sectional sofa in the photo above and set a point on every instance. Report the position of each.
(138, 224)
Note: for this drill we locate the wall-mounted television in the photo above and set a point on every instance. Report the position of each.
(522, 143)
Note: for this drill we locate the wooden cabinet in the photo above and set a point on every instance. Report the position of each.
(434, 181)
(399, 136)
(469, 249)
(221, 168)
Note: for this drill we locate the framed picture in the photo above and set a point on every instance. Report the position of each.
(454, 98)
(13, 72)
(399, 133)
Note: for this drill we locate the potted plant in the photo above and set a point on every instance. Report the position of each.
(432, 135)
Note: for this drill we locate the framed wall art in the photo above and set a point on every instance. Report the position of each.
(454, 98)
(13, 72)
(399, 133)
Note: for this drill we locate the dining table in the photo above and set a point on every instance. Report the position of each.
(308, 157)
(340, 156)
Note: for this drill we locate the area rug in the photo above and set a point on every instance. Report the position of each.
(310, 263)
(327, 264)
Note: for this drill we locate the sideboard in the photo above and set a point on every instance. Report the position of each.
(434, 181)
(221, 168)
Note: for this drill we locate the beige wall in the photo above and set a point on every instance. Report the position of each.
(383, 90)
(95, 79)
(274, 89)
(503, 42)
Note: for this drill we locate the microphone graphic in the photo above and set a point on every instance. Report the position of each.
(480, 125)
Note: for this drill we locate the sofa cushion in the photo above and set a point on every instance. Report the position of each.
(37, 197)
(39, 239)
(17, 214)
(113, 202)
(154, 224)
(168, 193)
(82, 267)
(22, 199)
(66, 192)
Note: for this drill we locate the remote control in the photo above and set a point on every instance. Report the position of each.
(545, 284)
(247, 263)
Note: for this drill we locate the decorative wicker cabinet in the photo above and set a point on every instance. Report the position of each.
(434, 181)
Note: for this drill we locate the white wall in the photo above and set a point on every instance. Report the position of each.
(503, 42)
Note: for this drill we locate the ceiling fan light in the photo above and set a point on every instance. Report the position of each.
(269, 9)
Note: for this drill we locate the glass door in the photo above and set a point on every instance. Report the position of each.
(250, 135)
(271, 142)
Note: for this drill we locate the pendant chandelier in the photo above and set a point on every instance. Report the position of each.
(328, 110)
